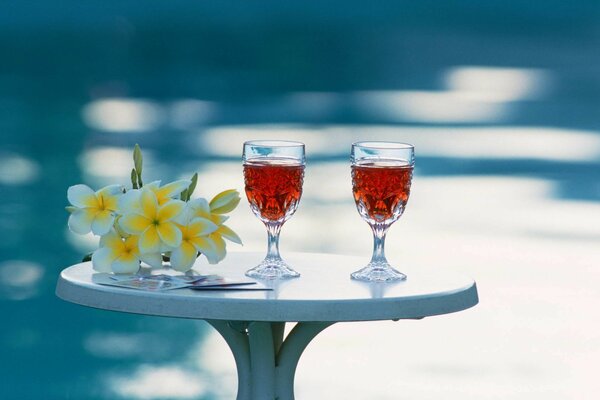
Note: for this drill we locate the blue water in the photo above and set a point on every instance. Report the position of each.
(247, 62)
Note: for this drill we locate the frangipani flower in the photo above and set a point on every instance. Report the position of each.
(130, 201)
(150, 221)
(122, 255)
(194, 239)
(154, 223)
(223, 202)
(93, 211)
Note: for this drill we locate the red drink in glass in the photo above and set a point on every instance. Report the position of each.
(273, 173)
(381, 188)
(273, 187)
(381, 177)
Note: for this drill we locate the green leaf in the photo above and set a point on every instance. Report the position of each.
(134, 183)
(138, 159)
(192, 186)
(184, 195)
(87, 257)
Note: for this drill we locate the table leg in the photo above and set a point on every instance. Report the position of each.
(236, 337)
(266, 363)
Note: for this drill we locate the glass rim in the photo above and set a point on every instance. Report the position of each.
(273, 143)
(383, 145)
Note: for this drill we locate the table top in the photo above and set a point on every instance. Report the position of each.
(324, 292)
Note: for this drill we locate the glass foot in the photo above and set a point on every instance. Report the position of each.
(272, 269)
(378, 273)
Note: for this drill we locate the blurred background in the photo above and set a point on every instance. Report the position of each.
(501, 99)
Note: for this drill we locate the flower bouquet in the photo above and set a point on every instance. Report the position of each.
(151, 223)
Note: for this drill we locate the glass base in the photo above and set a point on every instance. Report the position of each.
(378, 272)
(272, 269)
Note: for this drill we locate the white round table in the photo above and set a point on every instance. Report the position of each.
(252, 322)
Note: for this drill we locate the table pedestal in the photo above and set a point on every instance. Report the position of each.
(266, 362)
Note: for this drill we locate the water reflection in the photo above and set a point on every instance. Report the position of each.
(493, 84)
(123, 115)
(115, 345)
(434, 107)
(159, 382)
(509, 142)
(19, 280)
(17, 170)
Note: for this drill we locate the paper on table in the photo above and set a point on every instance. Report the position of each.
(168, 282)
(148, 282)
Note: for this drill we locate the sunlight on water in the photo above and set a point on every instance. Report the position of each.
(214, 358)
(540, 143)
(20, 280)
(498, 84)
(472, 94)
(124, 345)
(158, 382)
(431, 106)
(190, 113)
(320, 140)
(17, 170)
(123, 115)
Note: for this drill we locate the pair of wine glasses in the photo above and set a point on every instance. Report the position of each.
(381, 178)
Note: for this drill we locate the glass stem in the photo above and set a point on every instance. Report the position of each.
(379, 232)
(273, 240)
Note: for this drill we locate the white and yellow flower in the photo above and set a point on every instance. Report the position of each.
(154, 223)
(122, 255)
(194, 239)
(222, 203)
(130, 201)
(93, 211)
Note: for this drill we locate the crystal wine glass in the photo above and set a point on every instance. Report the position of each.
(273, 173)
(381, 178)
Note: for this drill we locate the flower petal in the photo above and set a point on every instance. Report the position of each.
(201, 226)
(220, 247)
(103, 258)
(149, 241)
(131, 244)
(154, 185)
(111, 190)
(170, 234)
(149, 204)
(170, 210)
(112, 240)
(200, 207)
(127, 263)
(134, 224)
(225, 201)
(185, 216)
(205, 246)
(218, 218)
(103, 222)
(152, 259)
(82, 196)
(130, 202)
(109, 196)
(229, 234)
(80, 221)
(183, 257)
(171, 190)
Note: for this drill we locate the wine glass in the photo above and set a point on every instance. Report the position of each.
(273, 173)
(381, 177)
